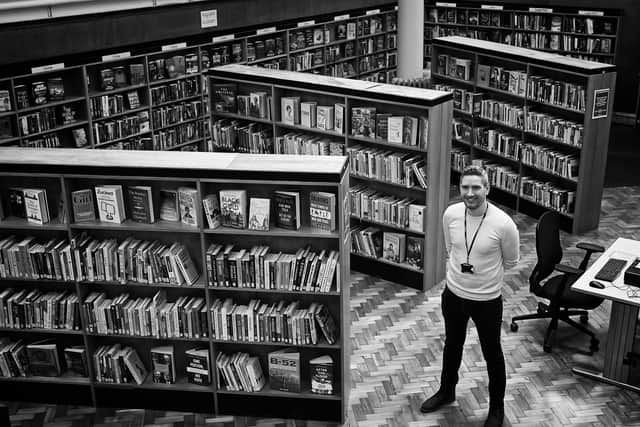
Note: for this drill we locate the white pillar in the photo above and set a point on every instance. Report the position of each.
(410, 38)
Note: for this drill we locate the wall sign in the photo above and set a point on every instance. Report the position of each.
(600, 104)
(208, 18)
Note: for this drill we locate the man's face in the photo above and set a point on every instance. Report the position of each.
(473, 192)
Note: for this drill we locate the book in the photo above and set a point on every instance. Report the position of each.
(16, 202)
(43, 359)
(415, 250)
(338, 118)
(5, 101)
(198, 366)
(410, 131)
(163, 364)
(324, 119)
(79, 137)
(136, 74)
(224, 98)
(287, 209)
(133, 99)
(484, 71)
(107, 79)
(363, 121)
(321, 375)
(211, 210)
(36, 206)
(135, 366)
(110, 201)
(233, 208)
(395, 126)
(322, 208)
(326, 322)
(189, 206)
(416, 217)
(393, 245)
(76, 360)
(141, 204)
(290, 110)
(284, 370)
(186, 267)
(169, 205)
(259, 210)
(308, 114)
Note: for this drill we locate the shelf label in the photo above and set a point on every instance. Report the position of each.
(491, 7)
(600, 103)
(115, 56)
(225, 38)
(208, 18)
(265, 31)
(174, 46)
(306, 23)
(341, 17)
(541, 9)
(441, 4)
(44, 68)
(591, 12)
(373, 11)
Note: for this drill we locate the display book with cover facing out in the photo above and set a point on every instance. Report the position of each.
(29, 203)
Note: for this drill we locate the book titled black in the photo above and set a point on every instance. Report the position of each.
(321, 374)
(224, 98)
(288, 209)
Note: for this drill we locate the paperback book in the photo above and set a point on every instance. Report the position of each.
(212, 210)
(322, 207)
(321, 374)
(259, 210)
(141, 204)
(197, 366)
(110, 201)
(284, 370)
(189, 206)
(287, 209)
(163, 364)
(169, 205)
(233, 208)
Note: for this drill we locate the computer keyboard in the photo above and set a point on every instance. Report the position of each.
(611, 269)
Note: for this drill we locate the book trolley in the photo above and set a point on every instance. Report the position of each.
(36, 265)
(538, 122)
(383, 174)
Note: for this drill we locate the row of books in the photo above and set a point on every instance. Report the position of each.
(305, 60)
(29, 203)
(501, 176)
(460, 158)
(574, 24)
(172, 67)
(550, 160)
(499, 142)
(303, 38)
(154, 316)
(547, 194)
(403, 169)
(464, 100)
(181, 134)
(47, 141)
(461, 130)
(264, 48)
(261, 268)
(301, 143)
(39, 121)
(310, 114)
(376, 61)
(40, 358)
(369, 123)
(346, 70)
(393, 247)
(175, 91)
(109, 105)
(512, 81)
(176, 113)
(236, 136)
(117, 77)
(498, 35)
(459, 68)
(587, 44)
(133, 143)
(30, 309)
(560, 130)
(38, 92)
(120, 127)
(452, 15)
(375, 206)
(544, 22)
(549, 91)
(372, 45)
(503, 112)
(220, 55)
(537, 40)
(340, 51)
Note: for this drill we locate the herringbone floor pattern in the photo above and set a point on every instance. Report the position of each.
(397, 336)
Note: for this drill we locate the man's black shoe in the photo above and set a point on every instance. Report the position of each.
(439, 399)
(495, 417)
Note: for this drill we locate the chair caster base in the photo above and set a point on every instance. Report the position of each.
(584, 319)
(514, 327)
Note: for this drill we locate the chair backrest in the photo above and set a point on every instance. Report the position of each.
(548, 248)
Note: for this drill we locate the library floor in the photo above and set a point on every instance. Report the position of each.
(397, 339)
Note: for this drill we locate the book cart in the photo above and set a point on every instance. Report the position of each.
(539, 122)
(156, 99)
(379, 169)
(584, 33)
(60, 172)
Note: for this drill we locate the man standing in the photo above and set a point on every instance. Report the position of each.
(482, 241)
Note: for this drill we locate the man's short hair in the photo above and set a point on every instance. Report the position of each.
(473, 170)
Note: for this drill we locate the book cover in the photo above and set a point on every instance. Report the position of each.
(287, 209)
(79, 137)
(415, 249)
(259, 210)
(107, 79)
(308, 114)
(416, 217)
(163, 364)
(324, 119)
(224, 98)
(212, 210)
(395, 126)
(36, 206)
(382, 126)
(322, 206)
(110, 203)
(258, 105)
(76, 360)
(284, 370)
(136, 74)
(290, 110)
(189, 206)
(326, 322)
(321, 374)
(198, 366)
(233, 208)
(424, 133)
(5, 101)
(169, 205)
(363, 121)
(141, 204)
(484, 72)
(338, 119)
(16, 202)
(43, 359)
(393, 245)
(135, 366)
(410, 131)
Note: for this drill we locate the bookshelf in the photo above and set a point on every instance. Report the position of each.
(154, 98)
(539, 121)
(135, 281)
(583, 33)
(278, 129)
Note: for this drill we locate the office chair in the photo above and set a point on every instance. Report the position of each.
(563, 302)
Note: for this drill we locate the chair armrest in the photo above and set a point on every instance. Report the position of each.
(590, 247)
(563, 268)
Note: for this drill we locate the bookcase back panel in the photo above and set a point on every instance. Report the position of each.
(268, 406)
(47, 391)
(113, 396)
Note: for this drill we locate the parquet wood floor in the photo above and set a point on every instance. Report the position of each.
(397, 336)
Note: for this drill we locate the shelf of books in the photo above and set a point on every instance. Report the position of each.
(208, 282)
(538, 122)
(583, 33)
(158, 100)
(397, 139)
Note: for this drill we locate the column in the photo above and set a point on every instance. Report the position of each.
(410, 38)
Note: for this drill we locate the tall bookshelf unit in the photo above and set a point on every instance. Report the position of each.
(61, 171)
(434, 106)
(535, 118)
(583, 33)
(160, 103)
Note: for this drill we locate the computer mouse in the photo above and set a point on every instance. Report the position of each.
(596, 284)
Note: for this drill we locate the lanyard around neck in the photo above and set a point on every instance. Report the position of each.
(473, 240)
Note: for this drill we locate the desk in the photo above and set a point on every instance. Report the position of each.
(624, 314)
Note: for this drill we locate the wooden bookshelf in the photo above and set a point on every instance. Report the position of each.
(433, 106)
(62, 171)
(589, 117)
(594, 31)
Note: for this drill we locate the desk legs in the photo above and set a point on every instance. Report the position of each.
(622, 329)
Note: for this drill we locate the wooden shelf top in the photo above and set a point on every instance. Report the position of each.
(524, 54)
(380, 91)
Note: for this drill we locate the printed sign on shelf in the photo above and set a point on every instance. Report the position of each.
(174, 46)
(115, 56)
(600, 104)
(45, 68)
